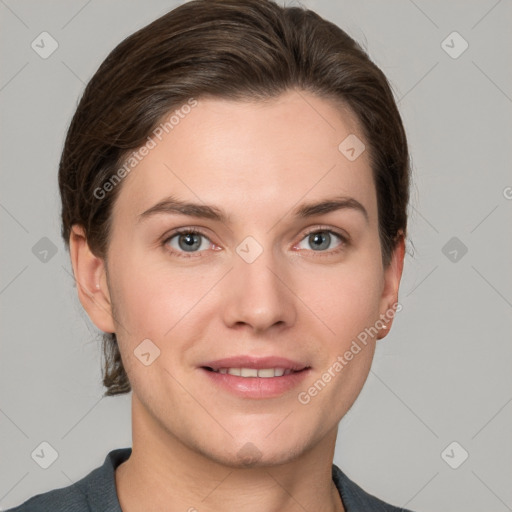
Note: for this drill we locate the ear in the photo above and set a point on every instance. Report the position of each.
(91, 281)
(392, 276)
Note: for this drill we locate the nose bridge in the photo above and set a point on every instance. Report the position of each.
(257, 295)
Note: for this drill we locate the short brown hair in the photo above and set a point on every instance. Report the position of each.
(231, 49)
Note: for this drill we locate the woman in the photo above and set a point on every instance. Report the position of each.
(234, 190)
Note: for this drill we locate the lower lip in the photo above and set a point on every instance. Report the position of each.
(256, 387)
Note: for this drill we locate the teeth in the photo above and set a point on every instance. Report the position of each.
(253, 372)
(266, 372)
(248, 372)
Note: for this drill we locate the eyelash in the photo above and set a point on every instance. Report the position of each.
(194, 231)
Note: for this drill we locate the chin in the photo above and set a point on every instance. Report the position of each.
(255, 454)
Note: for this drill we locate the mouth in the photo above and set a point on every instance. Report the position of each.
(255, 378)
(262, 373)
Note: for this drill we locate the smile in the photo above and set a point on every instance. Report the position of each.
(270, 379)
(263, 373)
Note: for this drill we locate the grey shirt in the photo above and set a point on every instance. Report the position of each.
(96, 492)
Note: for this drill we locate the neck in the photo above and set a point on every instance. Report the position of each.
(163, 474)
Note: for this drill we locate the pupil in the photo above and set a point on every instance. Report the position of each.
(190, 241)
(320, 240)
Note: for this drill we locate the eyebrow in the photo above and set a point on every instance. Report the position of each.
(330, 205)
(171, 205)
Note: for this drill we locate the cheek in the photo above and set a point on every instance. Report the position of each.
(344, 301)
(345, 353)
(168, 305)
(152, 295)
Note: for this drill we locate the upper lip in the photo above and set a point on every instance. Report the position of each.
(255, 362)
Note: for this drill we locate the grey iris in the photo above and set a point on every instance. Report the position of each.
(320, 240)
(190, 242)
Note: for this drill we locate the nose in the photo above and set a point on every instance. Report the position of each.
(258, 296)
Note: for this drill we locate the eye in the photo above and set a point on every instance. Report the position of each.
(187, 241)
(322, 240)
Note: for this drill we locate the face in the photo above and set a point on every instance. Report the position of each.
(253, 298)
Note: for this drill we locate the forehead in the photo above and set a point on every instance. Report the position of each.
(252, 157)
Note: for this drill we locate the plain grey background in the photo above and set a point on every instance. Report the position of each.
(443, 375)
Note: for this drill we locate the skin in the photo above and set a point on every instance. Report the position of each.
(257, 161)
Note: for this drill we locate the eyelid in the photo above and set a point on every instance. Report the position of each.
(344, 237)
(319, 228)
(180, 231)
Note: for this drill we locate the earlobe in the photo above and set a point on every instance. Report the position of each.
(392, 277)
(90, 276)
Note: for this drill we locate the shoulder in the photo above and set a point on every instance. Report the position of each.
(59, 500)
(356, 499)
(94, 492)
